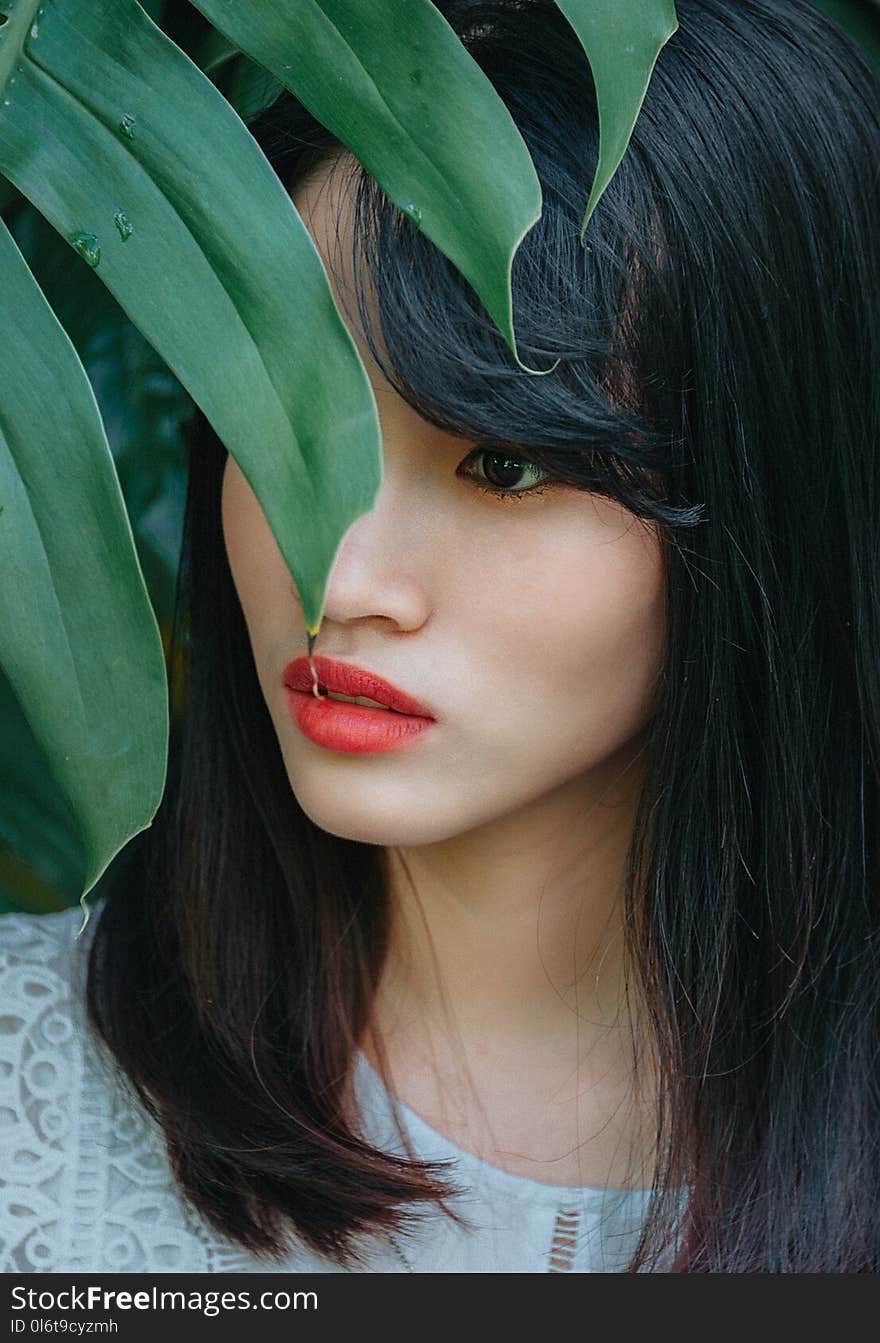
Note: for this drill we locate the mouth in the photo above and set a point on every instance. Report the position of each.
(346, 684)
(355, 711)
(360, 699)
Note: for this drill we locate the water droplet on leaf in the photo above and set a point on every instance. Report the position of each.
(413, 213)
(35, 31)
(125, 227)
(87, 246)
(126, 125)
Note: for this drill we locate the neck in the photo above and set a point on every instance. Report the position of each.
(506, 966)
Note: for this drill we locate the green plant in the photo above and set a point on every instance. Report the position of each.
(141, 163)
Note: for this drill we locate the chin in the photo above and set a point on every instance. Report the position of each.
(372, 817)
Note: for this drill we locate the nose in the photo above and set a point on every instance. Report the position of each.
(379, 574)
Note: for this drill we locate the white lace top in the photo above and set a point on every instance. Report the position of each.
(86, 1186)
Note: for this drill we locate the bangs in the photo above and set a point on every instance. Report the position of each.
(589, 421)
(605, 418)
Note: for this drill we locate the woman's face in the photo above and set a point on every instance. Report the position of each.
(532, 628)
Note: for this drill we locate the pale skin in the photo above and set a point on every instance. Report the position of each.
(534, 629)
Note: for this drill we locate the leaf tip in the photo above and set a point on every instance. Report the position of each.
(86, 915)
(536, 372)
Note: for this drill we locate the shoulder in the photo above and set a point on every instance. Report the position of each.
(41, 964)
(85, 1183)
(85, 1180)
(35, 938)
(39, 958)
(40, 1082)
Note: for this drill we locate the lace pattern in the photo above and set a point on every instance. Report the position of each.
(85, 1182)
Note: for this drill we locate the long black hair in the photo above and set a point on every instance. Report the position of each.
(718, 345)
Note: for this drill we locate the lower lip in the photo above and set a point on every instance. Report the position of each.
(356, 729)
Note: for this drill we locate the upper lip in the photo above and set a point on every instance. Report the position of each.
(345, 679)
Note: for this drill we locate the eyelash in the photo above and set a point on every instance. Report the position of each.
(497, 490)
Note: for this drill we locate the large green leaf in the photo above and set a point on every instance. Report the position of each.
(79, 643)
(141, 405)
(133, 155)
(247, 86)
(396, 85)
(622, 42)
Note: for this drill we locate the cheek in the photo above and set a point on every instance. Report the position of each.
(618, 634)
(586, 628)
(238, 531)
(622, 606)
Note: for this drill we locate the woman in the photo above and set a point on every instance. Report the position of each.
(575, 966)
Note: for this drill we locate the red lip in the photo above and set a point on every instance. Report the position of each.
(345, 679)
